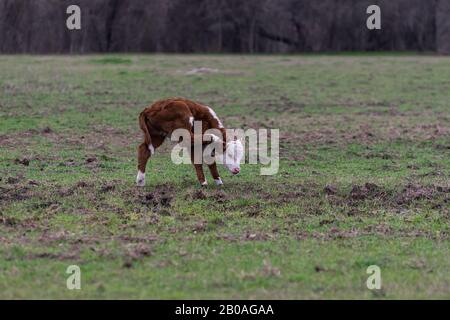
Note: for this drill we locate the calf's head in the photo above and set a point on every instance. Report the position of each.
(232, 156)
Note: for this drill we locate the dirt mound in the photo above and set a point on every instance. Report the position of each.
(161, 198)
(84, 184)
(12, 180)
(91, 159)
(414, 192)
(135, 252)
(46, 130)
(16, 193)
(107, 187)
(220, 196)
(23, 161)
(330, 189)
(199, 195)
(201, 70)
(366, 191)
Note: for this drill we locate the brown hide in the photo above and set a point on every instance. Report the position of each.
(164, 116)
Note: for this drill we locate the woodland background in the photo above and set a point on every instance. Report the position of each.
(232, 26)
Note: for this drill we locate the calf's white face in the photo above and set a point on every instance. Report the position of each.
(233, 155)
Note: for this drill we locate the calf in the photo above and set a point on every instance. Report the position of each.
(164, 116)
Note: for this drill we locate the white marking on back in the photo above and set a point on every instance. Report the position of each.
(214, 115)
(211, 137)
(152, 149)
(191, 121)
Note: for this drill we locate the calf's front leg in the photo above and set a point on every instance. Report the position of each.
(215, 173)
(143, 156)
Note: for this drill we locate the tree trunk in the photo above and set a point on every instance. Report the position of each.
(443, 26)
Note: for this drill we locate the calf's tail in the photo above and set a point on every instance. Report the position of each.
(144, 128)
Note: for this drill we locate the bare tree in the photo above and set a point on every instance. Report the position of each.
(38, 26)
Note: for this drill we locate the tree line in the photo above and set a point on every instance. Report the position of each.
(240, 26)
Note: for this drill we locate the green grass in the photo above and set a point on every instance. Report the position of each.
(363, 180)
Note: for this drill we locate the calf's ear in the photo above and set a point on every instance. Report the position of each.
(241, 139)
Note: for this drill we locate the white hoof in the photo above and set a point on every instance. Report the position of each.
(140, 179)
(204, 183)
(218, 182)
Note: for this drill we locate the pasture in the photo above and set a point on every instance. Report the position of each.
(364, 179)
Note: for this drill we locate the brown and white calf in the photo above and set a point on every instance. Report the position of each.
(163, 117)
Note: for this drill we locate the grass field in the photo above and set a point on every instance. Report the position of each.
(364, 179)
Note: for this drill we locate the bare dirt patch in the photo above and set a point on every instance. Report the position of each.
(415, 192)
(247, 236)
(159, 200)
(367, 191)
(17, 192)
(134, 252)
(388, 198)
(200, 71)
(62, 256)
(199, 195)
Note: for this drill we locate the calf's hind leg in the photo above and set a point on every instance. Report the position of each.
(143, 156)
(198, 170)
(200, 174)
